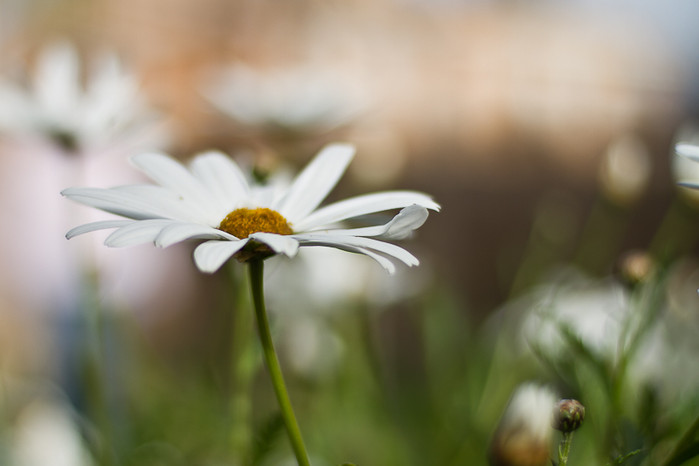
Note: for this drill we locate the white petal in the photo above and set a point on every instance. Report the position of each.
(164, 201)
(117, 202)
(691, 151)
(281, 244)
(112, 100)
(110, 201)
(144, 231)
(177, 232)
(171, 174)
(222, 176)
(94, 226)
(314, 183)
(211, 255)
(385, 263)
(16, 109)
(362, 205)
(57, 81)
(359, 242)
(400, 227)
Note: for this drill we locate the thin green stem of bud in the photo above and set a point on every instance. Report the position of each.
(275, 371)
(564, 448)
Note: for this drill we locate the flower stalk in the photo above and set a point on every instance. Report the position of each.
(275, 372)
(564, 448)
(242, 368)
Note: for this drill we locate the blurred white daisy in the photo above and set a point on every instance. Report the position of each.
(64, 125)
(213, 200)
(524, 434)
(297, 98)
(46, 433)
(596, 313)
(105, 112)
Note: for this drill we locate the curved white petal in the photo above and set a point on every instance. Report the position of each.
(211, 255)
(314, 183)
(222, 176)
(171, 174)
(384, 262)
(94, 226)
(358, 242)
(400, 227)
(116, 202)
(282, 244)
(691, 151)
(178, 232)
(362, 205)
(144, 231)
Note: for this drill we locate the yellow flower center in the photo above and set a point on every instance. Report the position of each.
(241, 223)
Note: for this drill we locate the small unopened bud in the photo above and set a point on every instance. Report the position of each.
(569, 415)
(635, 267)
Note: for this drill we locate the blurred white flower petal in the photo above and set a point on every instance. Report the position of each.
(594, 312)
(311, 347)
(299, 98)
(46, 433)
(523, 436)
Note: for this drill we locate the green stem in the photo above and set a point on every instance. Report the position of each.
(242, 369)
(564, 448)
(275, 371)
(95, 374)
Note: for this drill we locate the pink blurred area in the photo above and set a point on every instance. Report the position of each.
(489, 106)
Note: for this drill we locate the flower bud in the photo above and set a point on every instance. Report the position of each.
(569, 415)
(635, 267)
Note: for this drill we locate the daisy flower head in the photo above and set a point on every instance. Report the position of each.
(103, 111)
(300, 98)
(212, 199)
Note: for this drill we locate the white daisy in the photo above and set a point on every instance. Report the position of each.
(595, 312)
(212, 200)
(524, 433)
(106, 111)
(298, 98)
